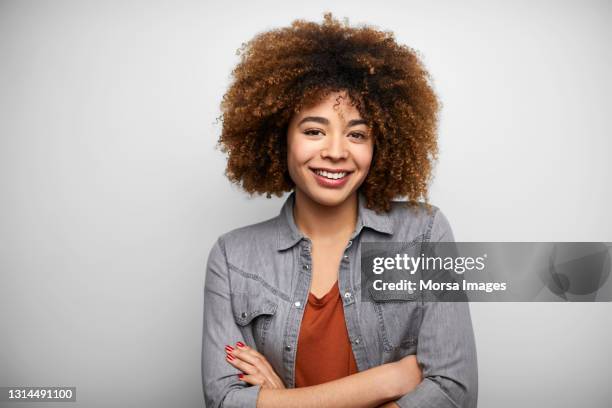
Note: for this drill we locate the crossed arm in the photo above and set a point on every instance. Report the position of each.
(369, 388)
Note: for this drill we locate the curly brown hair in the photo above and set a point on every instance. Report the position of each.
(286, 69)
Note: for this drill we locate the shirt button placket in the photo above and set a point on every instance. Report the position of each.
(347, 295)
(347, 249)
(301, 293)
(353, 329)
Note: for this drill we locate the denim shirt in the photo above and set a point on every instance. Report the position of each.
(257, 283)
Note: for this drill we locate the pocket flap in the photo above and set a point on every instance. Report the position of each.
(247, 306)
(392, 295)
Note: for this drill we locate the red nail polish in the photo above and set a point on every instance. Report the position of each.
(240, 376)
(229, 348)
(240, 344)
(229, 356)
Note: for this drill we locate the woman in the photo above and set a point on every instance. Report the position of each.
(345, 119)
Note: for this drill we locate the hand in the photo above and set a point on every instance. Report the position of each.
(252, 363)
(409, 374)
(390, 404)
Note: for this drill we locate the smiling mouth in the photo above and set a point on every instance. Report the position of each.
(331, 175)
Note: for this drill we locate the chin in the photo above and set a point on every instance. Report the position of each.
(330, 198)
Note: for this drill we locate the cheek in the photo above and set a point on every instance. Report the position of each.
(299, 153)
(363, 157)
(292, 149)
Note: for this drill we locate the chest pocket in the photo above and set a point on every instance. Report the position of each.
(399, 312)
(253, 312)
(399, 319)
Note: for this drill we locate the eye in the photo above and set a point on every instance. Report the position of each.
(358, 135)
(312, 132)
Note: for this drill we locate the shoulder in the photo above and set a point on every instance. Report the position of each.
(423, 219)
(249, 251)
(256, 238)
(260, 232)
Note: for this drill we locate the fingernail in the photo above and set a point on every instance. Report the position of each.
(240, 376)
(229, 356)
(240, 344)
(229, 348)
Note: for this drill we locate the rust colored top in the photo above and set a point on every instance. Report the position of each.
(323, 350)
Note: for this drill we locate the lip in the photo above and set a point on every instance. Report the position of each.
(328, 183)
(331, 170)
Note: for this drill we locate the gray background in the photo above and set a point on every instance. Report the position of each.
(112, 192)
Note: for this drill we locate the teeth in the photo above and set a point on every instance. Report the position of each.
(329, 175)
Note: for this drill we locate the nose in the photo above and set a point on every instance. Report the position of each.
(335, 148)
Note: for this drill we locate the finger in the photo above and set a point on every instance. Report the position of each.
(241, 346)
(248, 356)
(252, 352)
(258, 361)
(252, 379)
(273, 376)
(258, 379)
(241, 365)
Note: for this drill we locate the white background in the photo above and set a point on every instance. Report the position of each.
(112, 192)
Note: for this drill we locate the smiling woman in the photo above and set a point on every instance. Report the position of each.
(345, 120)
(285, 70)
(328, 146)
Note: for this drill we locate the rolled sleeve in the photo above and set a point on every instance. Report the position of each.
(447, 353)
(220, 382)
(446, 348)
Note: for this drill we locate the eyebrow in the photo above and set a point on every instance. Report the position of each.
(324, 121)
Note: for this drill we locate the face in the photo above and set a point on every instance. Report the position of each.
(329, 150)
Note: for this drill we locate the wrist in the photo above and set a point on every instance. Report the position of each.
(393, 384)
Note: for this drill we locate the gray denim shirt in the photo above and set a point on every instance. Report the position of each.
(257, 283)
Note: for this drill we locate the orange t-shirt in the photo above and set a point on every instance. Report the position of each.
(323, 350)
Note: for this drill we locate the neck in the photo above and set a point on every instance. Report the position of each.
(321, 222)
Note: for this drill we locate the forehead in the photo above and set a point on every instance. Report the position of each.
(336, 105)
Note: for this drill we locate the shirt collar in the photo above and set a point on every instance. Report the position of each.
(289, 234)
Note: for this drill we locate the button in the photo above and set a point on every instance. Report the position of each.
(356, 341)
(347, 295)
(345, 256)
(297, 304)
(243, 314)
(306, 266)
(288, 347)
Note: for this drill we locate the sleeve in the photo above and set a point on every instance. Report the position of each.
(220, 382)
(446, 348)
